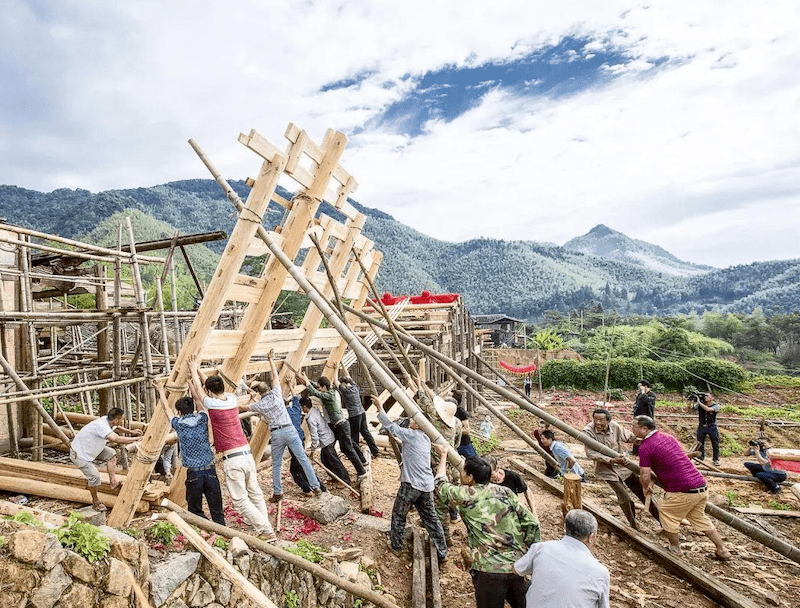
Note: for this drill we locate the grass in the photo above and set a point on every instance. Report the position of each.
(790, 412)
(780, 506)
(733, 499)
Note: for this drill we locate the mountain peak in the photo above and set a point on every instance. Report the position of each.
(604, 242)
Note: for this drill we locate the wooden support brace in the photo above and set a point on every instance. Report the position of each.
(418, 581)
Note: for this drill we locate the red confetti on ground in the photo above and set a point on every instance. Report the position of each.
(296, 525)
(375, 513)
(232, 515)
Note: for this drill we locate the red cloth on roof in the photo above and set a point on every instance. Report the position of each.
(426, 297)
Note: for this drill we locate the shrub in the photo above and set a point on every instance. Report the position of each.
(83, 538)
(484, 446)
(307, 550)
(163, 532)
(616, 394)
(24, 517)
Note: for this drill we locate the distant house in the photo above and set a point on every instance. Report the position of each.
(503, 331)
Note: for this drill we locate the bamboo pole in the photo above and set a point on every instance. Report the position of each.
(768, 540)
(227, 570)
(276, 552)
(163, 319)
(35, 402)
(141, 296)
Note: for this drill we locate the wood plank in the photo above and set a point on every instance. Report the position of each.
(436, 592)
(772, 512)
(702, 579)
(246, 289)
(418, 579)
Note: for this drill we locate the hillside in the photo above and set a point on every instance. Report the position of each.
(523, 279)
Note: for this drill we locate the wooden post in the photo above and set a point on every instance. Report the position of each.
(572, 493)
(141, 298)
(163, 319)
(105, 395)
(418, 581)
(436, 591)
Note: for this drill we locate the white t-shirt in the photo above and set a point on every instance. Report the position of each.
(91, 439)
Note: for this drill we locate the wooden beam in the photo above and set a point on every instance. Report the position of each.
(418, 580)
(702, 579)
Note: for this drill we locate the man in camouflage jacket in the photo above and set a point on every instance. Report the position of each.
(499, 531)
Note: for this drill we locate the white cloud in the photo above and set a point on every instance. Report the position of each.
(110, 93)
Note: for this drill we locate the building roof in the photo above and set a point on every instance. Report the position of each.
(492, 319)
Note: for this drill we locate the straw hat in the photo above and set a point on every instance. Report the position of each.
(446, 410)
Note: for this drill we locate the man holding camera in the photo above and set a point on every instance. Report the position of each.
(703, 404)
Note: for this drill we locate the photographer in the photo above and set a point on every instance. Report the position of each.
(703, 404)
(762, 470)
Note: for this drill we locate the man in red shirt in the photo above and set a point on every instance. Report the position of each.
(685, 488)
(230, 441)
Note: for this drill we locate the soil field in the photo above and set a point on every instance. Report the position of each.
(636, 580)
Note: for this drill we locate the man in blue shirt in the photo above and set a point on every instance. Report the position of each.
(562, 454)
(196, 455)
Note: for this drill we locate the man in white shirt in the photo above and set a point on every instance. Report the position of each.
(89, 445)
(564, 573)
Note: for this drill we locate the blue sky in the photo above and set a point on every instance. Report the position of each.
(677, 123)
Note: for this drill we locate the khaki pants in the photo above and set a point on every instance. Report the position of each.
(246, 494)
(88, 467)
(677, 506)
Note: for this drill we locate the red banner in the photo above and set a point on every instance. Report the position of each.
(426, 297)
(523, 369)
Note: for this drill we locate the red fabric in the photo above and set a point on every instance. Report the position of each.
(426, 297)
(523, 369)
(785, 465)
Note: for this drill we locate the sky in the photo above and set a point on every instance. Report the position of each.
(677, 123)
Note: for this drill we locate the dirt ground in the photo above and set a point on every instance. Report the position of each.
(636, 580)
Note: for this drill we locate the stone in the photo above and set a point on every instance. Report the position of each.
(78, 567)
(179, 603)
(125, 548)
(114, 601)
(90, 516)
(78, 596)
(28, 546)
(368, 562)
(718, 500)
(10, 599)
(170, 574)
(223, 595)
(325, 509)
(238, 547)
(118, 580)
(18, 577)
(51, 589)
(370, 522)
(243, 564)
(364, 580)
(203, 596)
(53, 552)
(349, 570)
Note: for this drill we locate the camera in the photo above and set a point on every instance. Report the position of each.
(696, 396)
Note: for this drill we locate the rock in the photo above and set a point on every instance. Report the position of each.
(238, 547)
(368, 562)
(179, 603)
(170, 574)
(113, 601)
(325, 509)
(243, 564)
(51, 589)
(28, 546)
(224, 588)
(349, 570)
(17, 577)
(78, 567)
(90, 516)
(203, 596)
(53, 552)
(118, 580)
(772, 598)
(364, 580)
(79, 596)
(370, 522)
(718, 501)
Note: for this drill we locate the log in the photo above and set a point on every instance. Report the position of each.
(367, 495)
(572, 493)
(247, 588)
(50, 520)
(701, 579)
(20, 485)
(436, 591)
(265, 547)
(774, 512)
(418, 581)
(796, 490)
(777, 545)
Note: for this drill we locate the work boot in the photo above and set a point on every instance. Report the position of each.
(630, 513)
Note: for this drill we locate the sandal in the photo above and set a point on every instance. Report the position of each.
(678, 551)
(99, 507)
(722, 558)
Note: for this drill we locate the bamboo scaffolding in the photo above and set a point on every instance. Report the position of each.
(768, 540)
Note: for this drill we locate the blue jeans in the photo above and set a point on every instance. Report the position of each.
(281, 439)
(467, 451)
(713, 434)
(204, 483)
(771, 478)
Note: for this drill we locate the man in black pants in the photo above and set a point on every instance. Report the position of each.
(351, 397)
(645, 406)
(335, 418)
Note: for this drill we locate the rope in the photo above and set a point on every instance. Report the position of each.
(243, 216)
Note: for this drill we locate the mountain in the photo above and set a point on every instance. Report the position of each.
(603, 242)
(523, 279)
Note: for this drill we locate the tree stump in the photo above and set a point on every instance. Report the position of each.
(366, 494)
(572, 493)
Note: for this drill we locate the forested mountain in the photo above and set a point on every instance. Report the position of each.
(523, 279)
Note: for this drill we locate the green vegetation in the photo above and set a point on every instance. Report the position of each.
(221, 543)
(789, 412)
(163, 532)
(484, 446)
(728, 444)
(780, 506)
(616, 394)
(291, 599)
(24, 517)
(733, 499)
(2, 541)
(307, 550)
(133, 532)
(83, 538)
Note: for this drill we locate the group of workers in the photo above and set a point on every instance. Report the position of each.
(503, 532)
